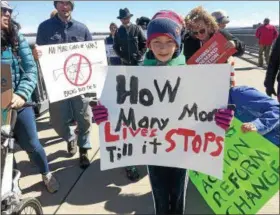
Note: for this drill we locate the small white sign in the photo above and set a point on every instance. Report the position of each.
(69, 69)
(110, 51)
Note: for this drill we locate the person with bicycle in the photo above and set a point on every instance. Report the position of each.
(16, 52)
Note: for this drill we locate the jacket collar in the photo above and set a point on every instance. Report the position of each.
(58, 20)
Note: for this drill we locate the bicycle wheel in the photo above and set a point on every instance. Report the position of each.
(28, 206)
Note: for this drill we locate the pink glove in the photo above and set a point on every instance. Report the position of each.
(223, 118)
(100, 113)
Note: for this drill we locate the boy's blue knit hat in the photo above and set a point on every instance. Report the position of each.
(165, 23)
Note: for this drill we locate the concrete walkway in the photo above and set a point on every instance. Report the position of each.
(109, 192)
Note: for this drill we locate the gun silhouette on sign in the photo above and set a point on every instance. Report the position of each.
(72, 71)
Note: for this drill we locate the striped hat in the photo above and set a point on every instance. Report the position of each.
(165, 23)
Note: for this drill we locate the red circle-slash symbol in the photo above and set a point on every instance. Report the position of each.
(72, 69)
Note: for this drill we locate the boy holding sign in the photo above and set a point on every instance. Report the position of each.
(164, 42)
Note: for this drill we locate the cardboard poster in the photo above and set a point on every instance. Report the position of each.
(251, 174)
(155, 118)
(69, 69)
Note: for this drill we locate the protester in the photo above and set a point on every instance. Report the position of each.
(110, 41)
(273, 70)
(62, 28)
(130, 41)
(16, 52)
(143, 22)
(202, 27)
(266, 34)
(259, 112)
(130, 46)
(221, 18)
(164, 42)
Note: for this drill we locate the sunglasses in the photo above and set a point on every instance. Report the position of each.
(201, 31)
(5, 10)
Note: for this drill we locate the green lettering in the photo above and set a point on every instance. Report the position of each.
(217, 197)
(247, 165)
(206, 185)
(225, 187)
(272, 176)
(259, 156)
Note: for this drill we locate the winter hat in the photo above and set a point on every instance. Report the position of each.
(72, 3)
(165, 23)
(221, 17)
(5, 4)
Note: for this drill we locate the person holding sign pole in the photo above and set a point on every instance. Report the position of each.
(16, 52)
(57, 30)
(113, 59)
(164, 43)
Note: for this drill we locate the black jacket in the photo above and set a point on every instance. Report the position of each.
(130, 44)
(192, 44)
(273, 67)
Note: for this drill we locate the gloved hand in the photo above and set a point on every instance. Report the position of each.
(270, 91)
(100, 113)
(223, 118)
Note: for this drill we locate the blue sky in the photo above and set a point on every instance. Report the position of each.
(97, 15)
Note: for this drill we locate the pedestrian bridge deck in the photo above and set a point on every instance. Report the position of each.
(109, 192)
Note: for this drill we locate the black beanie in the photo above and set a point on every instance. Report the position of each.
(72, 3)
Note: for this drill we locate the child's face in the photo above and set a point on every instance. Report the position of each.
(163, 48)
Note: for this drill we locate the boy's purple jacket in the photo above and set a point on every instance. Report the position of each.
(256, 107)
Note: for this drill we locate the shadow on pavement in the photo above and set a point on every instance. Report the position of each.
(48, 141)
(91, 186)
(41, 126)
(195, 203)
(128, 204)
(97, 186)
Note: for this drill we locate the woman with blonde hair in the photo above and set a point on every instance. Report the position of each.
(202, 26)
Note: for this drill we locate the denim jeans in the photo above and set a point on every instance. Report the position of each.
(27, 137)
(169, 189)
(63, 112)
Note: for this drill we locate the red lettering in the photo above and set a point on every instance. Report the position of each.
(144, 132)
(196, 144)
(219, 141)
(209, 137)
(153, 132)
(108, 136)
(186, 133)
(168, 138)
(134, 133)
(124, 133)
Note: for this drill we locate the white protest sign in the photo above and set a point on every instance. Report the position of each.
(110, 51)
(164, 116)
(69, 69)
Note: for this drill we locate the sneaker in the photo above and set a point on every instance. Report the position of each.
(72, 147)
(50, 182)
(84, 161)
(132, 173)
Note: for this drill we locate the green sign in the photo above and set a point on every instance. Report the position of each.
(251, 174)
